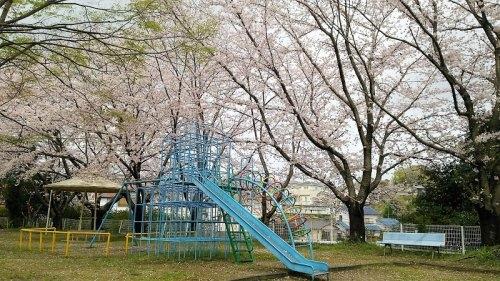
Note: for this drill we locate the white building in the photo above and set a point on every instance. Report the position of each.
(306, 197)
(328, 217)
(371, 215)
(121, 205)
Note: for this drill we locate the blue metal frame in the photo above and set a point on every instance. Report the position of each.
(182, 213)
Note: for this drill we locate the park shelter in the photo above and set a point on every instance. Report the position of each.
(94, 185)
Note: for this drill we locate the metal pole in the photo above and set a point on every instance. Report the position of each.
(401, 230)
(107, 244)
(66, 250)
(81, 218)
(95, 210)
(462, 232)
(21, 239)
(48, 210)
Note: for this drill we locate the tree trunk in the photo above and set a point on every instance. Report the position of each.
(138, 226)
(490, 226)
(266, 218)
(101, 212)
(356, 222)
(57, 217)
(488, 208)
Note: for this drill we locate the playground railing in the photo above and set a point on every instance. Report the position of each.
(130, 236)
(68, 235)
(111, 225)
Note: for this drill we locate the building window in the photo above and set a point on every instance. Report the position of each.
(304, 198)
(325, 235)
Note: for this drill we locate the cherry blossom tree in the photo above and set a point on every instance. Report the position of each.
(317, 65)
(275, 187)
(460, 41)
(110, 117)
(66, 30)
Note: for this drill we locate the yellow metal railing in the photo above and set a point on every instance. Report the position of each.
(127, 236)
(132, 235)
(69, 235)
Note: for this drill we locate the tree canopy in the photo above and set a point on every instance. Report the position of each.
(341, 92)
(447, 197)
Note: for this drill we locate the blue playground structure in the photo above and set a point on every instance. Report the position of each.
(200, 208)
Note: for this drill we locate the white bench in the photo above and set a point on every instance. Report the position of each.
(434, 240)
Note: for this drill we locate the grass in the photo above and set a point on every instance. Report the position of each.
(485, 256)
(16, 264)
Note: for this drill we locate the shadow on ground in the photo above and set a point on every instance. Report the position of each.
(336, 269)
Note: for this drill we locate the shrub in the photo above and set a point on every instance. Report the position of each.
(446, 198)
(3, 211)
(73, 212)
(119, 215)
(485, 255)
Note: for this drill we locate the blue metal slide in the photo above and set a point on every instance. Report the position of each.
(290, 257)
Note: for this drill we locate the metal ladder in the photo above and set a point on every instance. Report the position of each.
(239, 239)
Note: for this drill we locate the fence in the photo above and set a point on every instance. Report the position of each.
(459, 239)
(37, 222)
(57, 237)
(113, 226)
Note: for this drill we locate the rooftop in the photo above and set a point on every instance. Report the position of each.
(366, 209)
(388, 222)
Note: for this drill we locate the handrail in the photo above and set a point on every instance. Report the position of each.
(280, 209)
(54, 232)
(216, 196)
(131, 235)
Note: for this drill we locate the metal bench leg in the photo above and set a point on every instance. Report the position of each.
(436, 249)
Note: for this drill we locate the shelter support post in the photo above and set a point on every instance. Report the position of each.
(48, 209)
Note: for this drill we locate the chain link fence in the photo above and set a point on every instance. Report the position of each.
(113, 226)
(36, 222)
(459, 239)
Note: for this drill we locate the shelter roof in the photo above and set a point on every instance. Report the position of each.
(99, 185)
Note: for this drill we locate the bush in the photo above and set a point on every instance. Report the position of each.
(118, 215)
(485, 255)
(3, 211)
(446, 198)
(73, 212)
(22, 199)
